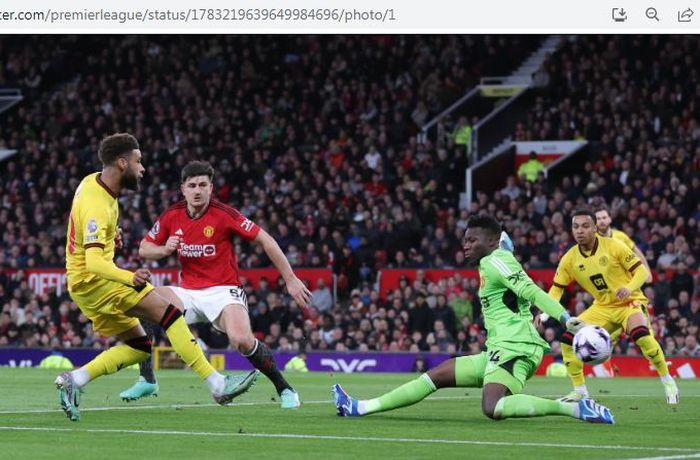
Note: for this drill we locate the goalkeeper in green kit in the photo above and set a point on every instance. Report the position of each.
(514, 348)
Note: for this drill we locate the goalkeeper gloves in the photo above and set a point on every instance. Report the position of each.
(573, 324)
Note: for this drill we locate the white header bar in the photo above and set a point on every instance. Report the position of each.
(337, 16)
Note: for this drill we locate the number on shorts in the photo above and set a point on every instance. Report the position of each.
(239, 295)
(494, 356)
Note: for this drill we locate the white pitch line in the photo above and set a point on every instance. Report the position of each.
(189, 406)
(344, 438)
(261, 403)
(672, 457)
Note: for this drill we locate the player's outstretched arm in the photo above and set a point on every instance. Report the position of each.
(639, 276)
(296, 288)
(644, 260)
(629, 261)
(512, 275)
(151, 251)
(562, 278)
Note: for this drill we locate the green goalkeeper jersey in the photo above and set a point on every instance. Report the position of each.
(506, 293)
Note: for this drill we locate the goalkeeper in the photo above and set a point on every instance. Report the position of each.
(514, 348)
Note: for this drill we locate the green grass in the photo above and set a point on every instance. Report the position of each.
(32, 427)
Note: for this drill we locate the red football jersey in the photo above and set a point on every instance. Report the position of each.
(206, 249)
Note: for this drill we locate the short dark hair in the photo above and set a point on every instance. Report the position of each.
(486, 222)
(603, 207)
(584, 212)
(197, 168)
(115, 146)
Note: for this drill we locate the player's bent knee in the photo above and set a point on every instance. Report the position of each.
(242, 342)
(489, 410)
(639, 332)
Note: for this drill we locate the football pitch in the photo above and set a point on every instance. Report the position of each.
(184, 423)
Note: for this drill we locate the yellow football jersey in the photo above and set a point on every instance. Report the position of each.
(607, 268)
(622, 236)
(92, 223)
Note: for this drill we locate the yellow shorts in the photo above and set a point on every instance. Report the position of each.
(105, 303)
(615, 335)
(612, 319)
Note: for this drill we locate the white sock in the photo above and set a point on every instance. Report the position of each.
(362, 405)
(666, 378)
(582, 389)
(80, 377)
(216, 383)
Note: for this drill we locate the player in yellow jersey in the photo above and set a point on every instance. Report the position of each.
(603, 222)
(113, 298)
(613, 274)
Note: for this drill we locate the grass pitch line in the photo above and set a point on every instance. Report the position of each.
(246, 404)
(672, 457)
(355, 438)
(188, 406)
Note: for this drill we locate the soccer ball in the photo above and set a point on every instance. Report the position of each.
(592, 345)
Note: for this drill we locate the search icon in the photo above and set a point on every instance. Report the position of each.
(652, 14)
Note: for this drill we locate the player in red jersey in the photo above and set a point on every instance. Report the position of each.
(201, 230)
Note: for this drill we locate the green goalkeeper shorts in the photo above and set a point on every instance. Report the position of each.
(508, 367)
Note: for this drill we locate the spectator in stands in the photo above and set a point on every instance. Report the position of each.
(662, 293)
(321, 297)
(641, 160)
(691, 347)
(511, 190)
(420, 316)
(530, 170)
(682, 281)
(462, 134)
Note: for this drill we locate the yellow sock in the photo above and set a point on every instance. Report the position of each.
(574, 367)
(652, 350)
(186, 347)
(114, 359)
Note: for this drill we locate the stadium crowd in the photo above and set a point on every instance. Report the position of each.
(314, 139)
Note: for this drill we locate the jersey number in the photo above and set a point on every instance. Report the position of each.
(599, 282)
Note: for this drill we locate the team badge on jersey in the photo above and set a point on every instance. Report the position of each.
(208, 231)
(603, 261)
(154, 231)
(92, 226)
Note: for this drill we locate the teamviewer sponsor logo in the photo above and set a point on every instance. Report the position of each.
(197, 250)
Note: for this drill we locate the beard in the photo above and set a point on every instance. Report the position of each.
(130, 181)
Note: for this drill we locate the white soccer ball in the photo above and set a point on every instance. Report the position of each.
(592, 345)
